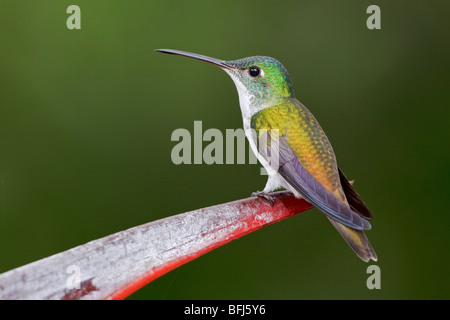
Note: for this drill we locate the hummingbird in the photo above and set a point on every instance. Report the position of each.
(304, 163)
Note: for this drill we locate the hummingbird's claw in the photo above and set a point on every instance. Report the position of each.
(264, 195)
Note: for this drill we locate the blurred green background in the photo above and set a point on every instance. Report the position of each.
(86, 118)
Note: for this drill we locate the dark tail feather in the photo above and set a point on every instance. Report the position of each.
(353, 198)
(357, 240)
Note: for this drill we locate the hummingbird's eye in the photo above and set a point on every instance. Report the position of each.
(254, 71)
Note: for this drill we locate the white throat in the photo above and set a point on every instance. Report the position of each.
(247, 101)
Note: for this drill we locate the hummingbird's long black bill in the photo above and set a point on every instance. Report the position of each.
(216, 62)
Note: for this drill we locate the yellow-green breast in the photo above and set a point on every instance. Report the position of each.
(306, 138)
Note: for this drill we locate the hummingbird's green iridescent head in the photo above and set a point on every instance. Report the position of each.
(263, 77)
(260, 81)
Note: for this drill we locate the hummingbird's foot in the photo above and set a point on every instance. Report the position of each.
(264, 195)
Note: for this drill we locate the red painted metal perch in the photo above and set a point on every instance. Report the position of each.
(115, 266)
